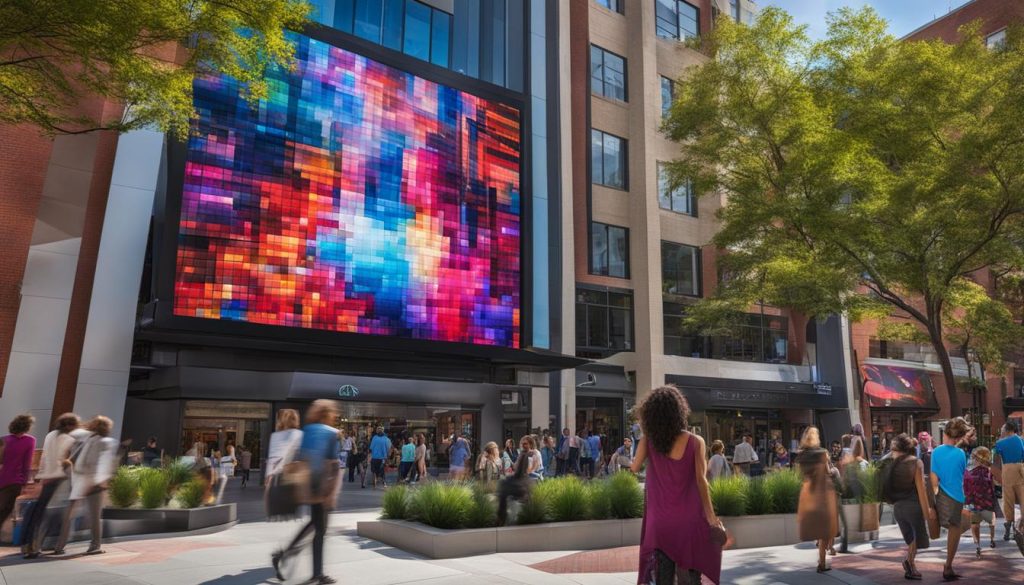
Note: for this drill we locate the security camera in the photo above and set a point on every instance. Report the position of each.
(591, 381)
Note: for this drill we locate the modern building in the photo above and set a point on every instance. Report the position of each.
(911, 369)
(641, 252)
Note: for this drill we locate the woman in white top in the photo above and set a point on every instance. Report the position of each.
(94, 462)
(226, 467)
(528, 448)
(718, 465)
(54, 468)
(284, 442)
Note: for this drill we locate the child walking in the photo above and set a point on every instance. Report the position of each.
(980, 496)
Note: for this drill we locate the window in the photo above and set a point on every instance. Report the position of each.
(757, 338)
(607, 159)
(668, 95)
(613, 5)
(734, 9)
(409, 26)
(996, 40)
(609, 250)
(680, 269)
(675, 19)
(607, 74)
(604, 321)
(680, 199)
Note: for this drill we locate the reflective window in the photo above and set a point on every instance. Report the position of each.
(668, 95)
(681, 199)
(996, 40)
(412, 27)
(607, 74)
(734, 9)
(675, 19)
(368, 18)
(680, 269)
(441, 32)
(417, 30)
(613, 5)
(608, 159)
(394, 15)
(755, 338)
(609, 250)
(604, 321)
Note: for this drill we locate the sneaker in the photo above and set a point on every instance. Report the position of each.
(324, 580)
(275, 560)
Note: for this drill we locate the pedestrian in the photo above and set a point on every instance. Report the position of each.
(718, 465)
(94, 459)
(744, 456)
(547, 455)
(284, 446)
(1009, 470)
(54, 471)
(516, 486)
(488, 465)
(245, 464)
(817, 510)
(380, 449)
(510, 455)
(202, 466)
(836, 451)
(562, 453)
(949, 464)
(362, 459)
(226, 470)
(622, 458)
(421, 458)
(678, 516)
(319, 450)
(528, 449)
(980, 496)
(405, 466)
(152, 456)
(596, 454)
(586, 455)
(16, 451)
(924, 451)
(859, 453)
(347, 445)
(458, 456)
(903, 486)
(781, 457)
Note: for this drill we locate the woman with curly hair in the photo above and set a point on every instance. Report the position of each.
(678, 516)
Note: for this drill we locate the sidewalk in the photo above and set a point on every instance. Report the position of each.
(240, 555)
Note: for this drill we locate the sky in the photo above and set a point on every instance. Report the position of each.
(903, 15)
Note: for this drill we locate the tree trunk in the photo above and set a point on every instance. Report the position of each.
(947, 373)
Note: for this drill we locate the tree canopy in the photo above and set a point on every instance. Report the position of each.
(141, 53)
(862, 173)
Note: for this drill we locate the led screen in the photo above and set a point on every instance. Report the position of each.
(355, 198)
(896, 387)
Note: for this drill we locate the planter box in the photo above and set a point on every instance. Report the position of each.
(760, 531)
(129, 521)
(436, 543)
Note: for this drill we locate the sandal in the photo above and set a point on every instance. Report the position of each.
(824, 568)
(950, 576)
(908, 571)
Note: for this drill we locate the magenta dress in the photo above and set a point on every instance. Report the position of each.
(674, 520)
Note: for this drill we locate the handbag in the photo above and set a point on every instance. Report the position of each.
(719, 536)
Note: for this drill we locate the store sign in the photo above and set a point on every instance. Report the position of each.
(823, 389)
(348, 391)
(226, 410)
(740, 396)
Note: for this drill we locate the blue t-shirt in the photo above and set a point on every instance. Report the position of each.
(950, 464)
(380, 446)
(319, 444)
(595, 445)
(1010, 449)
(459, 453)
(408, 453)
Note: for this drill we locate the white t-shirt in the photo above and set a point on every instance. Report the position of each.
(283, 447)
(56, 448)
(347, 444)
(744, 453)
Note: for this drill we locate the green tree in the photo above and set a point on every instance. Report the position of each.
(141, 53)
(862, 173)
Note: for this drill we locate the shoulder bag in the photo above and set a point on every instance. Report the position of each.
(716, 532)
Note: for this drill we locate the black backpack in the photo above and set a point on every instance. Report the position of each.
(885, 478)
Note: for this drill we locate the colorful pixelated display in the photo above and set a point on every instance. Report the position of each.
(355, 198)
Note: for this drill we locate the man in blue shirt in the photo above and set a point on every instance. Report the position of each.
(949, 464)
(1009, 471)
(380, 448)
(594, 442)
(458, 455)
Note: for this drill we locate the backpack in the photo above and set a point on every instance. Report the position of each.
(979, 489)
(885, 478)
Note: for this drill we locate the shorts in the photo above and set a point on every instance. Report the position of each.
(911, 521)
(948, 510)
(978, 515)
(377, 467)
(459, 469)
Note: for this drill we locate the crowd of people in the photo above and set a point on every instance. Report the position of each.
(955, 484)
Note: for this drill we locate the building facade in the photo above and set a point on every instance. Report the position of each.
(641, 252)
(902, 386)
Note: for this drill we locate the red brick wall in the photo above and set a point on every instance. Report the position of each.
(24, 157)
(994, 14)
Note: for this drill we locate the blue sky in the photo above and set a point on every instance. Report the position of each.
(903, 15)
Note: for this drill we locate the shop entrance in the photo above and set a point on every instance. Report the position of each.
(603, 416)
(217, 424)
(767, 427)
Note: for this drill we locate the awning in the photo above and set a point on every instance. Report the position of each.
(898, 387)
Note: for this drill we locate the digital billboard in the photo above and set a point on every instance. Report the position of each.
(896, 387)
(355, 198)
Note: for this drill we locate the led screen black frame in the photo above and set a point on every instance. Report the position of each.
(167, 262)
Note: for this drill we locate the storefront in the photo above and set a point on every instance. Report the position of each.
(219, 423)
(900, 400)
(604, 396)
(772, 413)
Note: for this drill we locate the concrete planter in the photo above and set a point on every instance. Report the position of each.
(436, 543)
(129, 521)
(764, 530)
